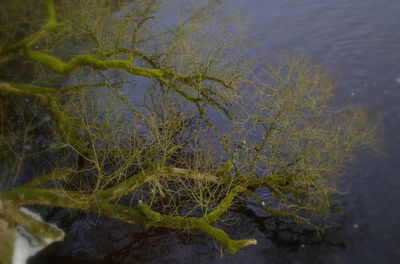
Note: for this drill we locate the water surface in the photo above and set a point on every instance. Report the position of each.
(359, 41)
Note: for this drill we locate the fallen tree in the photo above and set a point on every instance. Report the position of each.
(113, 104)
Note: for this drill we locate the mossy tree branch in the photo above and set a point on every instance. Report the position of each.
(50, 26)
(142, 215)
(166, 78)
(48, 96)
(279, 133)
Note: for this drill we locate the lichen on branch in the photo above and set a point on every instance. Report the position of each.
(176, 120)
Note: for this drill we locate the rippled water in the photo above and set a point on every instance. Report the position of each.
(359, 41)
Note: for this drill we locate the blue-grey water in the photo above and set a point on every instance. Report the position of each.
(359, 42)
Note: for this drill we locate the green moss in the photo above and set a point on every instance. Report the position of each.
(34, 89)
(150, 214)
(45, 59)
(6, 245)
(90, 60)
(143, 215)
(223, 205)
(229, 244)
(25, 88)
(51, 12)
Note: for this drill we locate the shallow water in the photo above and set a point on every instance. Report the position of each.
(359, 41)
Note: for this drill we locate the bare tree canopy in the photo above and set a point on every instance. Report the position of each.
(152, 112)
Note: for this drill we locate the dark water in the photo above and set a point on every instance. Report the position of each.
(359, 41)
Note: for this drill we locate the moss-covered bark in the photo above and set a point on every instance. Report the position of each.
(287, 113)
(141, 215)
(6, 242)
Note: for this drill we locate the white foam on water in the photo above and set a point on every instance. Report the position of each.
(26, 244)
